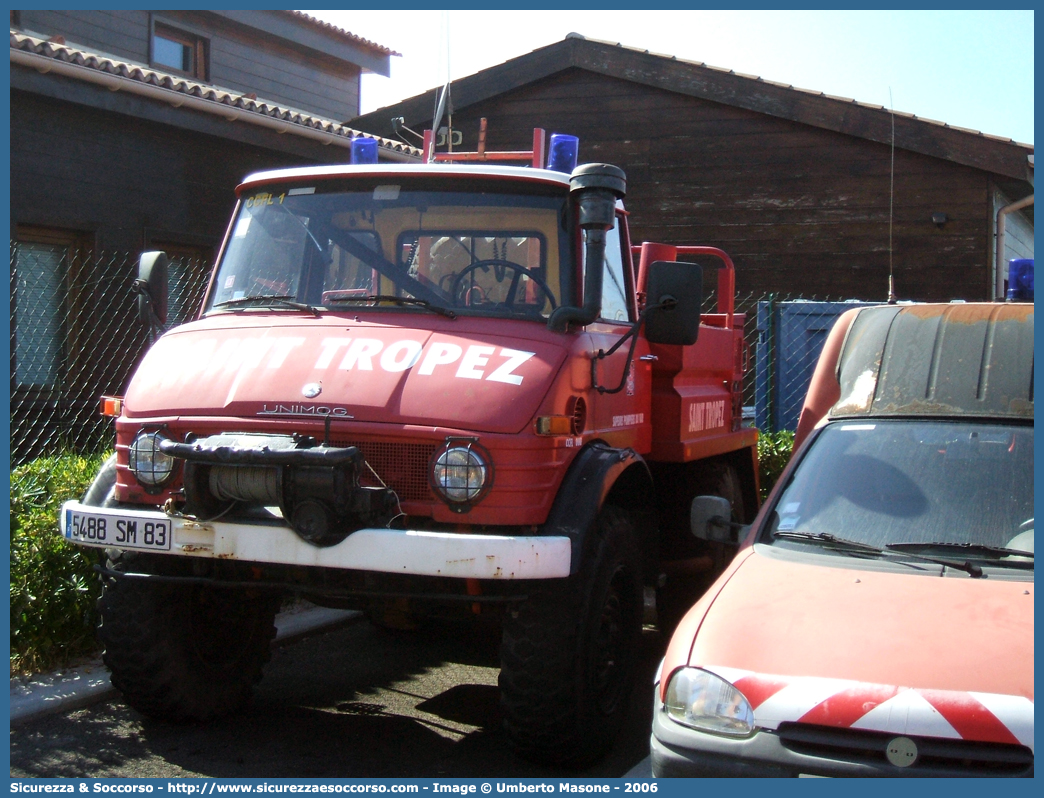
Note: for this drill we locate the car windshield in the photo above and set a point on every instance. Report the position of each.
(901, 484)
(472, 252)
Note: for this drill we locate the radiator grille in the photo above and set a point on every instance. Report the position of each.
(939, 756)
(402, 466)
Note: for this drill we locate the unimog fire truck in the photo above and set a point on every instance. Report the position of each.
(408, 392)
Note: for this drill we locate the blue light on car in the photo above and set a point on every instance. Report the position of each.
(1020, 280)
(563, 152)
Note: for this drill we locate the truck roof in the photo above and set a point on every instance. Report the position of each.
(398, 171)
(939, 360)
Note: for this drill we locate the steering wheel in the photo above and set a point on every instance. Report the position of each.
(518, 270)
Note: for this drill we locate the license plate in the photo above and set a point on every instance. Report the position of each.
(122, 533)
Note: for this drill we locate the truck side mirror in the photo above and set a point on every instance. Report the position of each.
(674, 297)
(151, 287)
(709, 519)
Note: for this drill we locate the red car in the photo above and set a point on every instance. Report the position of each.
(878, 617)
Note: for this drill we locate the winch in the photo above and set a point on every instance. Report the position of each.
(315, 486)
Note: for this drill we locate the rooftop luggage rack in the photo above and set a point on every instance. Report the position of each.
(535, 156)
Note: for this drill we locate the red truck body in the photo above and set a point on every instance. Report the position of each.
(405, 393)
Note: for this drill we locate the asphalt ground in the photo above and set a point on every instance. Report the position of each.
(350, 702)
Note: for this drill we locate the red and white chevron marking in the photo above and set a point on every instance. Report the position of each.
(983, 717)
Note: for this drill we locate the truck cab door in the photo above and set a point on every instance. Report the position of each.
(622, 419)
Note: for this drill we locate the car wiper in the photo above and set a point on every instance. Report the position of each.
(967, 549)
(841, 544)
(395, 300)
(826, 539)
(268, 299)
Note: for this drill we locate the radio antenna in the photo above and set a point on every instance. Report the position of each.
(442, 99)
(449, 79)
(891, 204)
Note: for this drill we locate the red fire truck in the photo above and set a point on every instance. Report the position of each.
(408, 392)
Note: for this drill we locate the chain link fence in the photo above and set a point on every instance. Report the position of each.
(785, 335)
(75, 335)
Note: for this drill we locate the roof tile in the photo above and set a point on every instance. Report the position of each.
(142, 74)
(814, 93)
(301, 15)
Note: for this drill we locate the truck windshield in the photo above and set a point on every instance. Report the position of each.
(965, 487)
(476, 253)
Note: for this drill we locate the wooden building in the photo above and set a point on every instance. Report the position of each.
(130, 131)
(797, 186)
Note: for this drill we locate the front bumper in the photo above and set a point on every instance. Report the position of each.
(393, 551)
(680, 751)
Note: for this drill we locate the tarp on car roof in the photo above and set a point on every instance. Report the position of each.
(938, 360)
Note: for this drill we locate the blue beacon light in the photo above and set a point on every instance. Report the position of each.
(563, 152)
(1020, 280)
(364, 150)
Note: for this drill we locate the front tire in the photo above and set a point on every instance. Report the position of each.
(184, 652)
(102, 492)
(568, 653)
(676, 598)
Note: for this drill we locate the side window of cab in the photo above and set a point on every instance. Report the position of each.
(615, 303)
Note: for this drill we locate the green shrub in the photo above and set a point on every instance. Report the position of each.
(774, 450)
(53, 583)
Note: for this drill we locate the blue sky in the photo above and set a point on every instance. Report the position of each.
(967, 68)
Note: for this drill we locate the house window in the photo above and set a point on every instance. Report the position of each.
(41, 263)
(178, 51)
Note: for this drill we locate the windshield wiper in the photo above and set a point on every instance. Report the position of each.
(268, 299)
(982, 550)
(826, 539)
(840, 544)
(396, 300)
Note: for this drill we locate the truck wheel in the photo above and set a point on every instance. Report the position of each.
(102, 492)
(184, 652)
(676, 597)
(568, 653)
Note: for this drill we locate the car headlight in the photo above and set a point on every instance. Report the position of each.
(149, 465)
(461, 472)
(707, 702)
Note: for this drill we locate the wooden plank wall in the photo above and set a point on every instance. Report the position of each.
(803, 211)
(276, 71)
(239, 59)
(120, 178)
(122, 32)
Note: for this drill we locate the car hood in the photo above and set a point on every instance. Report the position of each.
(476, 374)
(891, 650)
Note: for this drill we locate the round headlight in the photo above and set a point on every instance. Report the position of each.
(460, 473)
(707, 702)
(147, 462)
